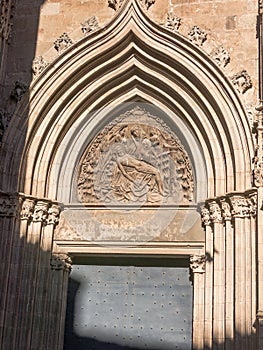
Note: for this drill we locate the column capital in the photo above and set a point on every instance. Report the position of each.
(215, 212)
(53, 215)
(27, 210)
(40, 212)
(61, 261)
(239, 205)
(197, 263)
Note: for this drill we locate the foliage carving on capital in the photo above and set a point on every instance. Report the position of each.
(205, 216)
(226, 210)
(53, 215)
(61, 262)
(40, 212)
(197, 263)
(27, 209)
(215, 212)
(239, 205)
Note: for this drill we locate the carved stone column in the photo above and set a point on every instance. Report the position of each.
(218, 275)
(209, 247)
(9, 204)
(197, 265)
(240, 211)
(61, 267)
(229, 273)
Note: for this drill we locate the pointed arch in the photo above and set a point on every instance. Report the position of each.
(130, 59)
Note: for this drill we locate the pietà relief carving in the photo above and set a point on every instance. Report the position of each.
(135, 158)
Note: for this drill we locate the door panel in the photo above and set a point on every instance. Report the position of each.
(125, 307)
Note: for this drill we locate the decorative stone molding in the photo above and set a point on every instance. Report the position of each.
(38, 65)
(172, 22)
(27, 211)
(61, 262)
(62, 43)
(205, 216)
(5, 118)
(19, 90)
(215, 212)
(197, 36)
(137, 158)
(197, 263)
(53, 215)
(89, 25)
(242, 81)
(8, 205)
(40, 212)
(239, 205)
(6, 8)
(221, 56)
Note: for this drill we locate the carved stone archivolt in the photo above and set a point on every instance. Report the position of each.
(231, 206)
(135, 158)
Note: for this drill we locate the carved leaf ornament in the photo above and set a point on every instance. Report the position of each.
(135, 158)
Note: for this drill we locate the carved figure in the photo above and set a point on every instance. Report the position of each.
(62, 43)
(135, 158)
(90, 25)
(172, 22)
(197, 36)
(19, 90)
(39, 64)
(242, 81)
(221, 56)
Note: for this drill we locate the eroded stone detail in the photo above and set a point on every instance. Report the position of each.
(19, 90)
(53, 215)
(89, 25)
(61, 262)
(62, 43)
(6, 8)
(197, 263)
(226, 210)
(115, 4)
(27, 211)
(135, 158)
(8, 206)
(147, 3)
(5, 119)
(40, 212)
(221, 56)
(205, 216)
(258, 159)
(242, 81)
(39, 64)
(197, 36)
(172, 21)
(215, 212)
(240, 206)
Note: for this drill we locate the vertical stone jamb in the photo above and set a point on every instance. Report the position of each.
(197, 265)
(218, 275)
(61, 267)
(260, 269)
(229, 274)
(209, 249)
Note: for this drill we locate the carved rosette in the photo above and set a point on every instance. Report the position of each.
(27, 211)
(197, 263)
(135, 159)
(61, 262)
(242, 81)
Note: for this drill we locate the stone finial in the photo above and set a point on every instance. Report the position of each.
(172, 22)
(242, 81)
(221, 56)
(62, 43)
(19, 90)
(89, 25)
(197, 263)
(197, 36)
(61, 262)
(38, 65)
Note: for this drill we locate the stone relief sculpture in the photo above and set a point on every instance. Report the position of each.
(242, 81)
(38, 65)
(135, 158)
(62, 43)
(197, 36)
(19, 90)
(221, 56)
(172, 22)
